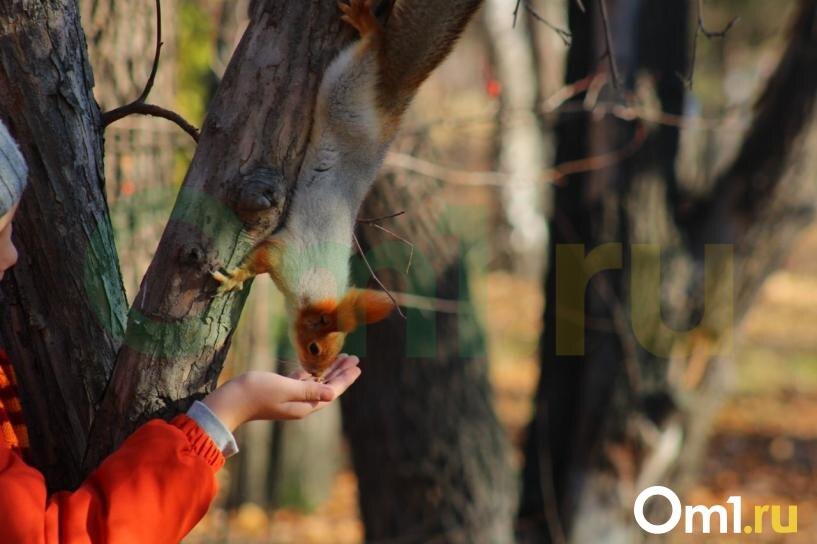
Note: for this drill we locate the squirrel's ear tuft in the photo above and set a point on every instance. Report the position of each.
(363, 306)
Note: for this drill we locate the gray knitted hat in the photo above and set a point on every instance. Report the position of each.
(13, 171)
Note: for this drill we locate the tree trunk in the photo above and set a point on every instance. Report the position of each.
(233, 196)
(522, 153)
(624, 398)
(67, 309)
(431, 458)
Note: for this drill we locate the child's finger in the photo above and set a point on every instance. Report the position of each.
(306, 390)
(299, 409)
(336, 363)
(348, 361)
(343, 380)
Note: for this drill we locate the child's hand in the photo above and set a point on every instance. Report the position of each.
(265, 395)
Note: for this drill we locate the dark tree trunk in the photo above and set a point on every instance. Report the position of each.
(66, 305)
(625, 402)
(431, 458)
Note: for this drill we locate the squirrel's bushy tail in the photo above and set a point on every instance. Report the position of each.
(361, 307)
(419, 34)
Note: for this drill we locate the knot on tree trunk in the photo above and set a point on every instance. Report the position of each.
(259, 198)
(195, 255)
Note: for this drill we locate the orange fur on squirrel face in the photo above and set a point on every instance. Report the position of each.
(321, 328)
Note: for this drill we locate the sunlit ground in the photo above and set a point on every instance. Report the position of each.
(764, 445)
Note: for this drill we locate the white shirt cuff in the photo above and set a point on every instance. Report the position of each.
(212, 425)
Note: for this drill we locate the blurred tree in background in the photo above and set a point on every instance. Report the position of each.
(630, 369)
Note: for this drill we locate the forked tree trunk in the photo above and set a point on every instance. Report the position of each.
(68, 312)
(234, 194)
(625, 402)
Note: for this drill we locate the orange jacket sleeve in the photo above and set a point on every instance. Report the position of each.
(153, 489)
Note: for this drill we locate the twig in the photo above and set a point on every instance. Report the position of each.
(371, 271)
(397, 236)
(140, 106)
(374, 222)
(565, 35)
(580, 3)
(155, 68)
(598, 162)
(516, 12)
(155, 111)
(710, 34)
(444, 174)
(611, 55)
(377, 219)
(554, 174)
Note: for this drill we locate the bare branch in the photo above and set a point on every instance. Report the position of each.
(378, 219)
(375, 222)
(139, 106)
(774, 145)
(156, 55)
(398, 237)
(611, 55)
(565, 35)
(372, 272)
(404, 240)
(710, 34)
(151, 109)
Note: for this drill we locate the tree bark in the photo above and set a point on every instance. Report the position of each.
(431, 458)
(629, 408)
(66, 306)
(234, 194)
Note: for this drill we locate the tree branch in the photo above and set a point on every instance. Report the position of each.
(785, 109)
(710, 34)
(139, 106)
(561, 32)
(608, 37)
(150, 109)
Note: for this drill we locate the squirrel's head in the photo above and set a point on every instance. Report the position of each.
(320, 328)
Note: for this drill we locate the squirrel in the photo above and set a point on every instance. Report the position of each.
(362, 97)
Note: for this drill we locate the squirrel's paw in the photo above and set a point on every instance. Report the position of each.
(231, 281)
(359, 14)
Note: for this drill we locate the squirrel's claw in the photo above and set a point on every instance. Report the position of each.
(228, 282)
(359, 14)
